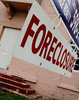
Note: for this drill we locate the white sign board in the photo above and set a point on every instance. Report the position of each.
(44, 46)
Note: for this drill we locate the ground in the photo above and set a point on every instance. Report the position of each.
(8, 96)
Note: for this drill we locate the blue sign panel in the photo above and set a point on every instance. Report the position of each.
(69, 11)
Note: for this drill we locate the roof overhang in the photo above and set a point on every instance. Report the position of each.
(17, 5)
(21, 5)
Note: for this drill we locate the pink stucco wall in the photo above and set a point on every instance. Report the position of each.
(17, 20)
(47, 83)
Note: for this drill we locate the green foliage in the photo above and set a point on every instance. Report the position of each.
(8, 96)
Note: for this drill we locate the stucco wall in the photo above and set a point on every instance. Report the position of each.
(46, 81)
(17, 20)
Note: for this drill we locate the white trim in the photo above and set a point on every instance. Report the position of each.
(77, 71)
(53, 5)
(77, 64)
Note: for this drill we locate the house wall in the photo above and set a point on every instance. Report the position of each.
(47, 83)
(17, 20)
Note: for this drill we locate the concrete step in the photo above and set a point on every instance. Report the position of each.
(15, 83)
(15, 78)
(17, 89)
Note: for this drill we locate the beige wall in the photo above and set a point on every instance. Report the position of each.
(47, 83)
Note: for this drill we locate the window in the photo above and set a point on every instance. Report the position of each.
(77, 51)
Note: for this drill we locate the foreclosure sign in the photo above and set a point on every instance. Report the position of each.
(44, 46)
(69, 11)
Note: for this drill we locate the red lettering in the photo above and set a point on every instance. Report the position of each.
(51, 49)
(57, 63)
(41, 28)
(46, 44)
(29, 31)
(65, 62)
(68, 60)
(58, 46)
(63, 57)
(71, 64)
